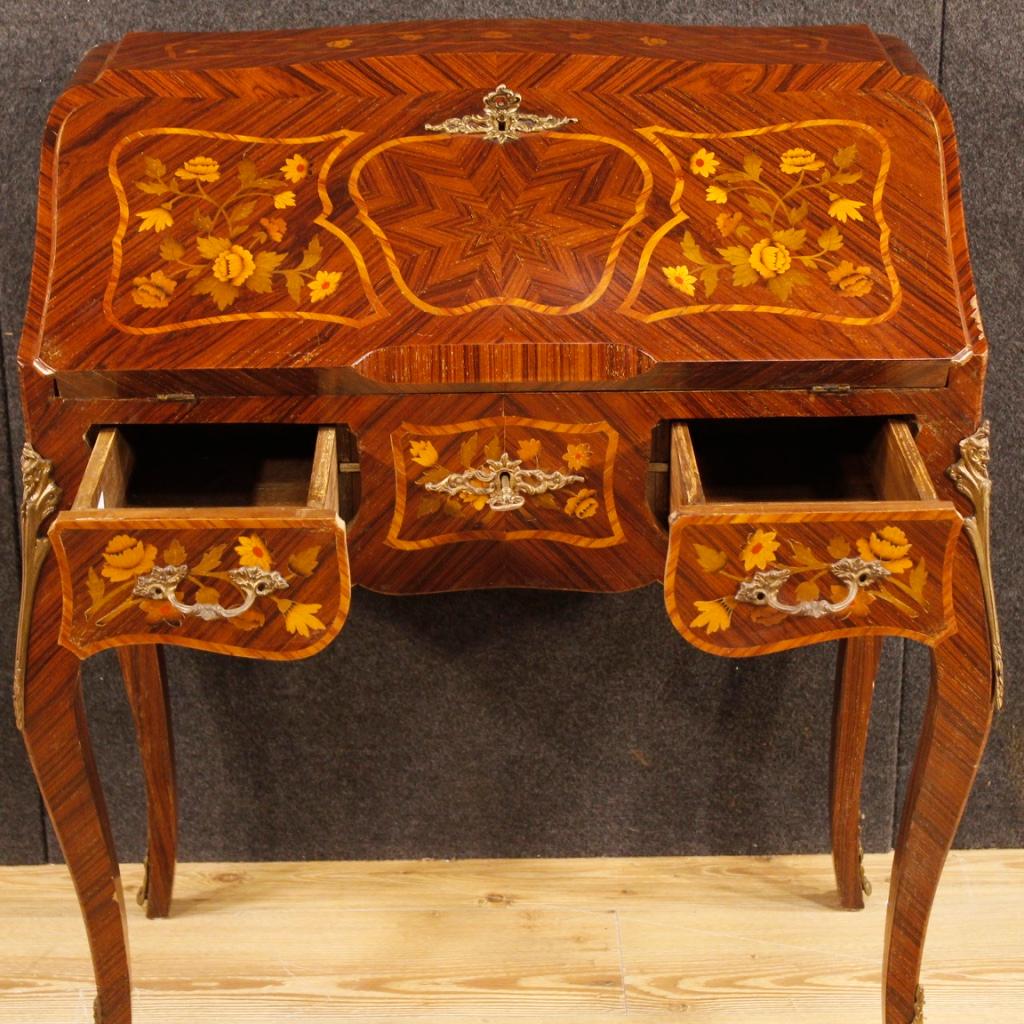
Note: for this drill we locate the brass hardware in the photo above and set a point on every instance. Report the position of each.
(865, 882)
(501, 121)
(348, 467)
(918, 1006)
(831, 389)
(161, 583)
(970, 474)
(40, 499)
(503, 482)
(763, 588)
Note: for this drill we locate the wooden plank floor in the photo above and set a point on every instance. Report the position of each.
(646, 941)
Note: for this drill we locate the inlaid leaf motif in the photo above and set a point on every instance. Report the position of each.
(174, 553)
(171, 249)
(845, 157)
(251, 618)
(492, 450)
(712, 616)
(917, 579)
(468, 450)
(802, 554)
(207, 595)
(709, 559)
(210, 560)
(546, 500)
(808, 591)
(428, 504)
(304, 562)
(839, 547)
(97, 588)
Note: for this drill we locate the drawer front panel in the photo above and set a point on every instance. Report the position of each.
(559, 483)
(750, 582)
(262, 586)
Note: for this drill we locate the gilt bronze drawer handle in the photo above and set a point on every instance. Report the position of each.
(763, 588)
(503, 482)
(161, 583)
(501, 121)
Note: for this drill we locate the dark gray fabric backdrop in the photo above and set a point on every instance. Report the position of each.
(410, 737)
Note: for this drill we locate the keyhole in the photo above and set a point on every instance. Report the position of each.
(501, 124)
(505, 481)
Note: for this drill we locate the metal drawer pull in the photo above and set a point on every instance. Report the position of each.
(763, 588)
(504, 482)
(501, 120)
(160, 585)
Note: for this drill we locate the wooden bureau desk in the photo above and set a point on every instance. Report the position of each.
(436, 306)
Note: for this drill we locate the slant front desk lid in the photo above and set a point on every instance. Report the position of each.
(498, 204)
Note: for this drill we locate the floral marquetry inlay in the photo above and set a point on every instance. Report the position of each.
(784, 219)
(505, 478)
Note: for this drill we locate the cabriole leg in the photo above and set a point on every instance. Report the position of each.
(855, 685)
(953, 736)
(57, 737)
(145, 682)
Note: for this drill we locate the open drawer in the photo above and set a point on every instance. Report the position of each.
(221, 537)
(788, 532)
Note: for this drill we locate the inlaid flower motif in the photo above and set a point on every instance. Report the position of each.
(716, 194)
(681, 279)
(153, 292)
(199, 168)
(577, 456)
(300, 618)
(760, 550)
(126, 557)
(582, 504)
(325, 283)
(770, 258)
(157, 219)
(703, 163)
(793, 161)
(851, 280)
(423, 453)
(282, 200)
(295, 168)
(234, 265)
(252, 551)
(275, 227)
(890, 546)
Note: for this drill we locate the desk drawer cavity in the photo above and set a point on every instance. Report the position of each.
(224, 537)
(787, 532)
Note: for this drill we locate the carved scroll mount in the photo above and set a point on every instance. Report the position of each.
(40, 500)
(970, 474)
(501, 120)
(504, 482)
(763, 588)
(162, 583)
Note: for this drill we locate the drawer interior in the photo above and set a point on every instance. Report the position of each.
(212, 466)
(795, 460)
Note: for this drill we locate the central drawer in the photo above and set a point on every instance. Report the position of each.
(788, 532)
(220, 537)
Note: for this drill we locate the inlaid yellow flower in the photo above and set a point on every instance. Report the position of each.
(890, 546)
(476, 500)
(199, 168)
(252, 551)
(275, 227)
(770, 258)
(234, 265)
(423, 453)
(125, 557)
(282, 200)
(528, 449)
(703, 163)
(851, 280)
(845, 209)
(153, 292)
(712, 616)
(577, 456)
(325, 283)
(295, 168)
(582, 504)
(716, 194)
(793, 161)
(759, 551)
(158, 219)
(680, 278)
